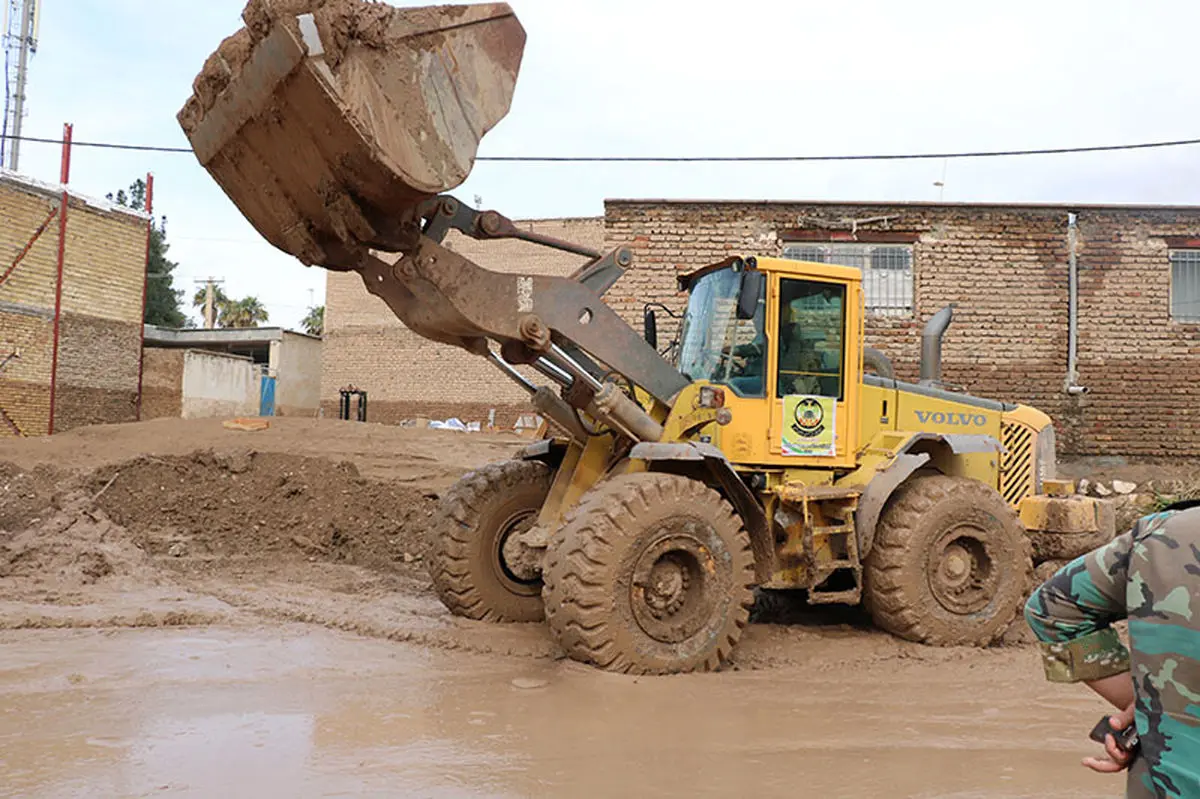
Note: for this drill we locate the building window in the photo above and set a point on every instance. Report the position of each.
(887, 270)
(1185, 285)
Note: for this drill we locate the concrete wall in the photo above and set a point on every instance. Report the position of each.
(408, 376)
(216, 384)
(100, 327)
(296, 362)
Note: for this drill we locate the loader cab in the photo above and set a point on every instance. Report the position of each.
(784, 338)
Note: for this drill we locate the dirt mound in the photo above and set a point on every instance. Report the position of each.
(24, 494)
(72, 544)
(426, 458)
(262, 503)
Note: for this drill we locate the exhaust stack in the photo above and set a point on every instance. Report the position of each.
(931, 346)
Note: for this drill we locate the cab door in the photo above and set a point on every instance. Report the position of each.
(815, 373)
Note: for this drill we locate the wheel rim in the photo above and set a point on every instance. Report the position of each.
(669, 592)
(962, 572)
(516, 524)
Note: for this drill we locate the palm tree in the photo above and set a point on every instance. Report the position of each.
(246, 312)
(220, 302)
(314, 322)
(220, 299)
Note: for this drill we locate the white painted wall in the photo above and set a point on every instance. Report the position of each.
(296, 361)
(216, 384)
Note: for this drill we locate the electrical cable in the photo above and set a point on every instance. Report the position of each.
(704, 159)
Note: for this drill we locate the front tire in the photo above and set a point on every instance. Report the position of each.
(650, 574)
(950, 563)
(474, 519)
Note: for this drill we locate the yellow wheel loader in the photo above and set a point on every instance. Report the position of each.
(768, 449)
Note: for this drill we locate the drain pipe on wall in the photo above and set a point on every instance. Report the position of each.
(1072, 382)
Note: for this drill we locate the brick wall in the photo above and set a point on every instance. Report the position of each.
(100, 327)
(1005, 269)
(162, 383)
(407, 376)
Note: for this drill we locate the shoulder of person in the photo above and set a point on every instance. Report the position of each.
(1183, 517)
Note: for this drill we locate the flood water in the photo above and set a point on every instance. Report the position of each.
(299, 711)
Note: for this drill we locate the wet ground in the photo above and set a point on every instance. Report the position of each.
(179, 617)
(298, 710)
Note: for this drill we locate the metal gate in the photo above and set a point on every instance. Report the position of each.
(266, 396)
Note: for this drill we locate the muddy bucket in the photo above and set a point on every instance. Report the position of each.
(327, 121)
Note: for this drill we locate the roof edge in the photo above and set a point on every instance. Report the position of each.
(1063, 206)
(55, 190)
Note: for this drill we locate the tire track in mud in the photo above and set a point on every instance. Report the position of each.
(382, 619)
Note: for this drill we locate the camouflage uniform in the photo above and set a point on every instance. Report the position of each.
(1150, 575)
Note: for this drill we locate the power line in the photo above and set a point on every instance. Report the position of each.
(103, 145)
(706, 159)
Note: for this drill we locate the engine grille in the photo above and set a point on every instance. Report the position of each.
(1016, 464)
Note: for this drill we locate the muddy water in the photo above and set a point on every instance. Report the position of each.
(303, 711)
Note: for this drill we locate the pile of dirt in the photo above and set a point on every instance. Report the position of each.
(71, 543)
(24, 494)
(255, 504)
(431, 459)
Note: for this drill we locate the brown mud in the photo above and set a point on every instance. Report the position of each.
(169, 599)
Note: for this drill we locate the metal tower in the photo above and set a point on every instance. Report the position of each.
(21, 21)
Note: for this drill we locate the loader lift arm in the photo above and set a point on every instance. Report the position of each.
(559, 326)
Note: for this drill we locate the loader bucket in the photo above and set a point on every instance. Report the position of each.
(328, 121)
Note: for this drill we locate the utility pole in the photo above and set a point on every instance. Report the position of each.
(24, 41)
(209, 301)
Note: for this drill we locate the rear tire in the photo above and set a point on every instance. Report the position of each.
(473, 521)
(650, 574)
(950, 563)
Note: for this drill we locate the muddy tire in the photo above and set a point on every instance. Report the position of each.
(650, 574)
(473, 521)
(950, 564)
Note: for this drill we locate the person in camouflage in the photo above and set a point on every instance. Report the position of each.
(1151, 576)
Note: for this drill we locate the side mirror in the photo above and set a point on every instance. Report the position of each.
(650, 327)
(754, 283)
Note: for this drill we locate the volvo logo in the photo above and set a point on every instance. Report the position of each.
(952, 419)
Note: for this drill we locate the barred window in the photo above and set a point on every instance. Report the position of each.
(887, 270)
(1185, 285)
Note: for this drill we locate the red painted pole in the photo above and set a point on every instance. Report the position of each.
(64, 178)
(145, 290)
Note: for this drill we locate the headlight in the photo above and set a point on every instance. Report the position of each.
(1046, 467)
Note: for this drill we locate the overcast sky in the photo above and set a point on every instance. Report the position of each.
(654, 77)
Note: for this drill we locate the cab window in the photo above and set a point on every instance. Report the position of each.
(717, 346)
(812, 322)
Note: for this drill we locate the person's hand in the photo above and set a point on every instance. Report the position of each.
(1116, 759)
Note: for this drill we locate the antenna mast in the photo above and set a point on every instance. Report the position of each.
(21, 23)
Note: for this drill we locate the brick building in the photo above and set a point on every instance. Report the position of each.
(100, 326)
(407, 376)
(1004, 267)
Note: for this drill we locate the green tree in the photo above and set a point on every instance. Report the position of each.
(162, 298)
(314, 322)
(246, 312)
